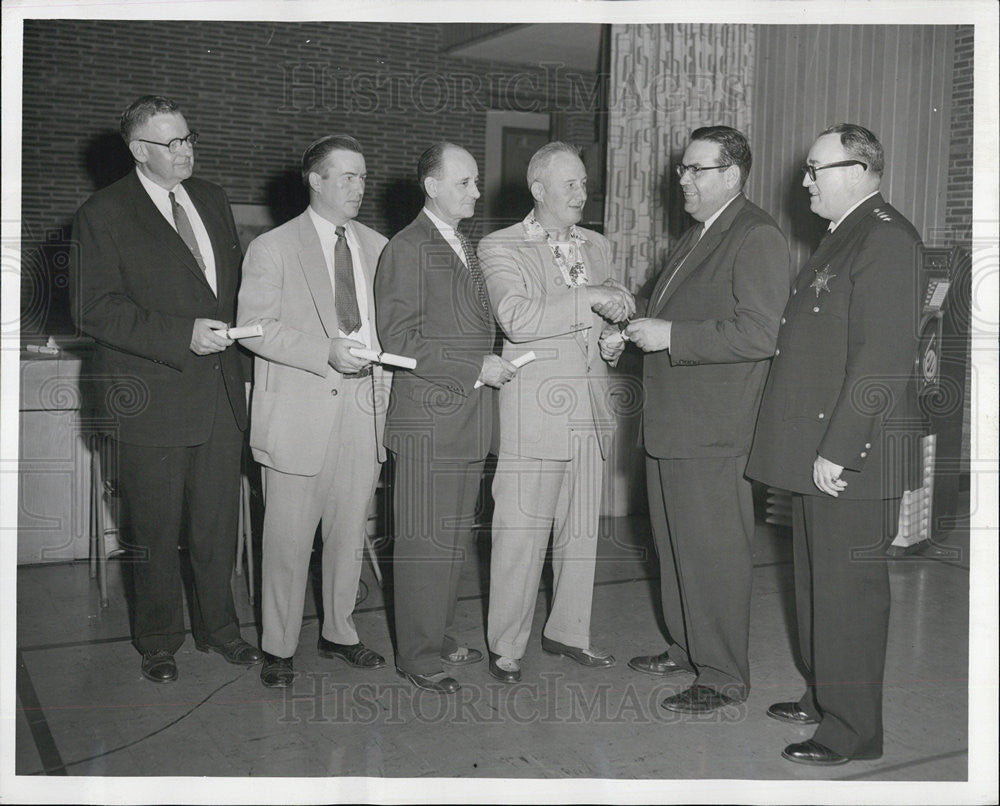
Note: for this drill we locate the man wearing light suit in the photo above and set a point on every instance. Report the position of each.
(317, 412)
(432, 306)
(710, 332)
(154, 283)
(550, 285)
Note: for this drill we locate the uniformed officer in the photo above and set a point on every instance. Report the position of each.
(838, 427)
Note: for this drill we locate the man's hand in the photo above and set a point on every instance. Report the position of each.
(826, 476)
(204, 339)
(614, 302)
(496, 371)
(341, 358)
(649, 335)
(612, 344)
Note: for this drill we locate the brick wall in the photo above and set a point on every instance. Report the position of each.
(958, 210)
(257, 93)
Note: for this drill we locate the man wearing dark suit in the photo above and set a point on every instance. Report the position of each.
(317, 414)
(432, 305)
(710, 332)
(154, 284)
(839, 428)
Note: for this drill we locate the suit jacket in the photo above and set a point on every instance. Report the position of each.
(842, 381)
(566, 388)
(428, 308)
(137, 290)
(702, 396)
(296, 393)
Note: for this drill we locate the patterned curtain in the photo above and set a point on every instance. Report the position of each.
(666, 80)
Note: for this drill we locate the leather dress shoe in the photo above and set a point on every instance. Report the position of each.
(509, 672)
(790, 712)
(276, 672)
(358, 655)
(593, 658)
(236, 651)
(812, 752)
(439, 681)
(158, 665)
(463, 656)
(697, 700)
(656, 665)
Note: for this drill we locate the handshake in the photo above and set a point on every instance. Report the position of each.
(612, 300)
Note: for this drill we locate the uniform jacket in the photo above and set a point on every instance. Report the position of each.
(137, 290)
(428, 308)
(297, 395)
(702, 396)
(842, 383)
(566, 388)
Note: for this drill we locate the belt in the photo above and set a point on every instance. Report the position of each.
(364, 372)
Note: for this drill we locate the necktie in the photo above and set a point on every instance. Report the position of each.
(687, 253)
(185, 230)
(344, 293)
(472, 262)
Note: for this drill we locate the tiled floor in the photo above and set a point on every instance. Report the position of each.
(85, 710)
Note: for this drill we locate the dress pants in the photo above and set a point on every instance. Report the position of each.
(842, 608)
(338, 497)
(701, 512)
(434, 504)
(175, 492)
(533, 498)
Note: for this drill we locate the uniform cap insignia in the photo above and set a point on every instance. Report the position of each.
(822, 281)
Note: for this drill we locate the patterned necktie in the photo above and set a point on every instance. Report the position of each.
(472, 262)
(345, 294)
(185, 230)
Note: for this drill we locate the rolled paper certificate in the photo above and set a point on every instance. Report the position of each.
(518, 362)
(384, 358)
(242, 332)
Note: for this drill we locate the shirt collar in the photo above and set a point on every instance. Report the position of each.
(446, 229)
(156, 191)
(851, 209)
(327, 230)
(536, 230)
(711, 219)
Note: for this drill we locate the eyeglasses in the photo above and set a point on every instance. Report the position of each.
(811, 169)
(175, 145)
(682, 169)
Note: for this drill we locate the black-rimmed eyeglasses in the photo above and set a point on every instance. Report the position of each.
(176, 144)
(682, 169)
(811, 169)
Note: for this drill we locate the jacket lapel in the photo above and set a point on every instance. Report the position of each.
(149, 217)
(832, 240)
(702, 249)
(225, 281)
(317, 275)
(369, 261)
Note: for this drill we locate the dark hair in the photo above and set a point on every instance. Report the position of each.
(141, 110)
(319, 150)
(861, 144)
(431, 160)
(733, 145)
(540, 159)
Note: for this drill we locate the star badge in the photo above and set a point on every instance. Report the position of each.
(822, 281)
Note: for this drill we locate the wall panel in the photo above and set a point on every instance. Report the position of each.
(894, 79)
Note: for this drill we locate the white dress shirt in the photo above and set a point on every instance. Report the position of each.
(161, 198)
(327, 232)
(448, 233)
